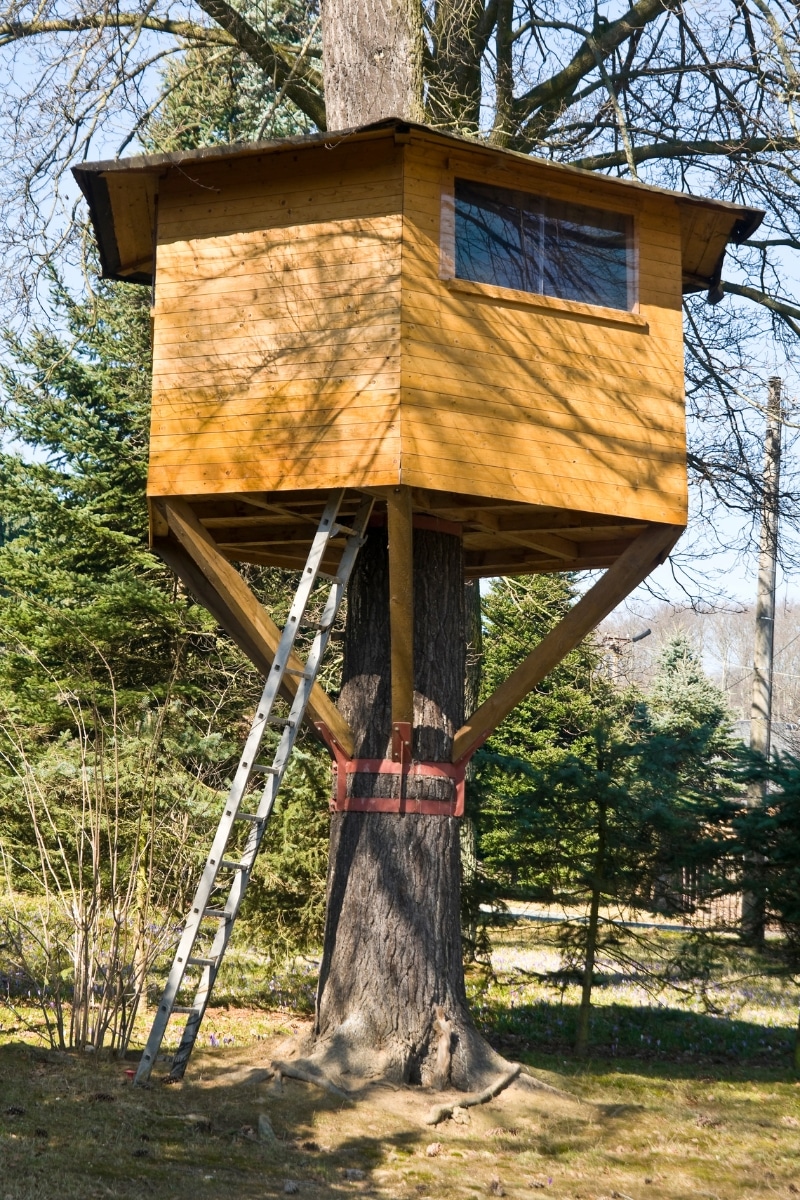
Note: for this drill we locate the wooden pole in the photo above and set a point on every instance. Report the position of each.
(764, 647)
(761, 707)
(401, 617)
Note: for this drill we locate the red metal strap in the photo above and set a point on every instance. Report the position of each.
(344, 766)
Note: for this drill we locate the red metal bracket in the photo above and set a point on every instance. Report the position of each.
(344, 766)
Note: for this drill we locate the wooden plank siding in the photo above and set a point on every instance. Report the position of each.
(541, 406)
(307, 337)
(277, 331)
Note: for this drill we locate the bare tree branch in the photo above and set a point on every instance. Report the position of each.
(781, 307)
(678, 148)
(548, 97)
(15, 31)
(303, 83)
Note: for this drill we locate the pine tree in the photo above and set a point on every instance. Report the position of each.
(592, 797)
(122, 705)
(767, 845)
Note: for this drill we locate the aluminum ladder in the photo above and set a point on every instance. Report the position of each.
(236, 869)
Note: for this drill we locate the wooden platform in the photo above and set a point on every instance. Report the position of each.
(499, 539)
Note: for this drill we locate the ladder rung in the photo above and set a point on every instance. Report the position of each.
(318, 626)
(329, 578)
(263, 769)
(201, 962)
(228, 864)
(240, 816)
(299, 674)
(338, 528)
(218, 913)
(181, 1008)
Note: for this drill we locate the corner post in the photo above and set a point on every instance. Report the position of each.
(401, 618)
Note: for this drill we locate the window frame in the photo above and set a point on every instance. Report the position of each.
(447, 254)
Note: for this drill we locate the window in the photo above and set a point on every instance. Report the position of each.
(515, 240)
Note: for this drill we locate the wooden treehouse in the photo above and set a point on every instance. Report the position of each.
(480, 341)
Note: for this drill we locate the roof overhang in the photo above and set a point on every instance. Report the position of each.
(121, 194)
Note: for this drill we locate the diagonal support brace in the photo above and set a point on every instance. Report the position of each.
(633, 565)
(226, 594)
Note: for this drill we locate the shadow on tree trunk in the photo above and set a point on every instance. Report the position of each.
(391, 1000)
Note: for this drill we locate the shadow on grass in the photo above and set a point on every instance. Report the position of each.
(664, 1037)
(74, 1118)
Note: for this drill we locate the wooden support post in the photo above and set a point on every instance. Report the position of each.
(250, 618)
(632, 566)
(401, 618)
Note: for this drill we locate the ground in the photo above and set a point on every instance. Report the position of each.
(713, 1111)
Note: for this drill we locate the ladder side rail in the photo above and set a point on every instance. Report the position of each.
(308, 580)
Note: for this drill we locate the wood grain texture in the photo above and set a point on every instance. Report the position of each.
(276, 358)
(551, 407)
(401, 602)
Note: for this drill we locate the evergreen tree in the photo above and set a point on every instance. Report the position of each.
(694, 759)
(592, 797)
(122, 706)
(556, 719)
(767, 844)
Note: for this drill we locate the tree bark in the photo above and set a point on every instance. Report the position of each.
(391, 999)
(372, 51)
(473, 630)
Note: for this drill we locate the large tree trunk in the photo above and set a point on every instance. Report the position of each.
(391, 998)
(372, 51)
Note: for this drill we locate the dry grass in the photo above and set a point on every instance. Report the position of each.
(708, 1122)
(85, 1132)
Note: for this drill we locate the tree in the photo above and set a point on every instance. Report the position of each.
(593, 798)
(698, 98)
(768, 841)
(121, 704)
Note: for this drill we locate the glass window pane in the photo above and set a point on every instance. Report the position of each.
(586, 255)
(488, 237)
(569, 251)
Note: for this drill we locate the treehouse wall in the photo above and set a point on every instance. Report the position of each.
(309, 335)
(277, 323)
(532, 399)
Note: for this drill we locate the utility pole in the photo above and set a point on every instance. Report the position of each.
(761, 707)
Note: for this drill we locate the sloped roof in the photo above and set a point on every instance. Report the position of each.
(121, 196)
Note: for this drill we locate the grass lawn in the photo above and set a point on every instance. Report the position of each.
(676, 1101)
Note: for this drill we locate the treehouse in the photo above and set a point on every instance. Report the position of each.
(397, 325)
(484, 342)
(400, 307)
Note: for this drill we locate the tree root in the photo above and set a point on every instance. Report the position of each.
(308, 1074)
(441, 1111)
(539, 1085)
